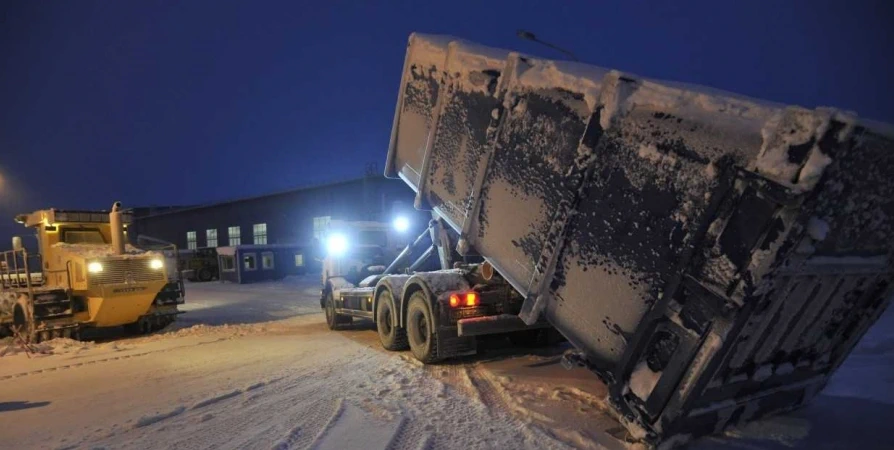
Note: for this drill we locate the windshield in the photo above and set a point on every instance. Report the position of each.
(82, 237)
(372, 237)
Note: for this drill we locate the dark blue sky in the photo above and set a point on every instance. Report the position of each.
(186, 102)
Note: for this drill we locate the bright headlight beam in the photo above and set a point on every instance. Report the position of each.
(156, 264)
(401, 224)
(94, 267)
(336, 244)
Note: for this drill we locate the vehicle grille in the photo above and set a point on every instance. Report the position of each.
(119, 271)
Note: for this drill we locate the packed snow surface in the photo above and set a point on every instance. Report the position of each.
(254, 366)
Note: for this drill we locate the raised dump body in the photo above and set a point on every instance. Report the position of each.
(714, 258)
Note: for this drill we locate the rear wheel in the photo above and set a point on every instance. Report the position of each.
(205, 274)
(420, 329)
(393, 337)
(333, 319)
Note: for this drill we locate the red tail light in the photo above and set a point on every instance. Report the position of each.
(464, 299)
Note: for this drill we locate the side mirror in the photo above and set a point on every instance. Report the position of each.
(17, 243)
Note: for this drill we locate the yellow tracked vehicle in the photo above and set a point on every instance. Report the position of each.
(83, 275)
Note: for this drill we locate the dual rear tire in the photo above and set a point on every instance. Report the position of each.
(419, 334)
(421, 329)
(392, 336)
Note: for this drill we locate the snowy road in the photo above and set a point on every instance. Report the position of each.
(256, 367)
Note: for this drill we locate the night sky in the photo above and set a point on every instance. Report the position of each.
(157, 103)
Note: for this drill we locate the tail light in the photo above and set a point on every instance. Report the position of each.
(464, 299)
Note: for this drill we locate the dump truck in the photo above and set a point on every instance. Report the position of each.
(712, 258)
(83, 275)
(365, 267)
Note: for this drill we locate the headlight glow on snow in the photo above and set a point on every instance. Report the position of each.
(156, 264)
(401, 224)
(94, 267)
(337, 244)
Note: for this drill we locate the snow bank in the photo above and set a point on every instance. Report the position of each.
(58, 346)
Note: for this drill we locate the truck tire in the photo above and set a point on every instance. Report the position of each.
(333, 319)
(23, 324)
(420, 329)
(393, 338)
(205, 274)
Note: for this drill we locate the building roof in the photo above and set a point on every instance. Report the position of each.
(273, 194)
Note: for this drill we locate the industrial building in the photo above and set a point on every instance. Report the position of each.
(296, 217)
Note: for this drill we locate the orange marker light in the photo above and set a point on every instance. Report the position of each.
(454, 300)
(471, 299)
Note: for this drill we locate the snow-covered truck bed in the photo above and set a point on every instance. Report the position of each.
(713, 258)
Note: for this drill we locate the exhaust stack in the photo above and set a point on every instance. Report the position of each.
(117, 229)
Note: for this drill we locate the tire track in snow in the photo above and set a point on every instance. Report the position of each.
(409, 435)
(313, 423)
(426, 443)
(400, 435)
(216, 399)
(155, 418)
(483, 390)
(234, 393)
(102, 360)
(336, 414)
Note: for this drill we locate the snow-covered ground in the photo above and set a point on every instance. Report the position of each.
(254, 366)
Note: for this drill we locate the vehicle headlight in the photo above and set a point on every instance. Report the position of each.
(94, 267)
(401, 224)
(156, 264)
(336, 244)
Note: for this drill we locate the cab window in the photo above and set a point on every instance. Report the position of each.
(82, 237)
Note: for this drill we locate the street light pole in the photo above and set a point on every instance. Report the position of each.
(527, 35)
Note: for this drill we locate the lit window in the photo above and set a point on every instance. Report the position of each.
(211, 236)
(259, 230)
(227, 263)
(267, 260)
(249, 261)
(191, 240)
(235, 235)
(320, 225)
(299, 260)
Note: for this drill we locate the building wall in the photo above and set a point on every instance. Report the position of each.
(289, 216)
(283, 264)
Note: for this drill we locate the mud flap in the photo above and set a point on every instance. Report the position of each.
(451, 345)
